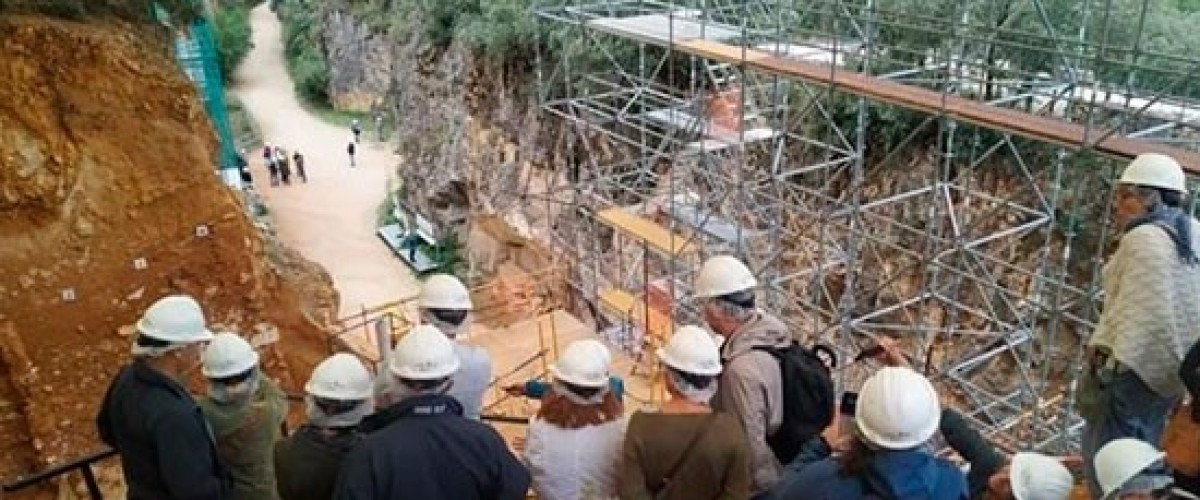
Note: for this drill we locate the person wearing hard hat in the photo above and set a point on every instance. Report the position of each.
(684, 450)
(1151, 311)
(751, 386)
(166, 447)
(573, 443)
(423, 447)
(537, 389)
(337, 397)
(897, 412)
(1132, 469)
(445, 303)
(992, 476)
(245, 410)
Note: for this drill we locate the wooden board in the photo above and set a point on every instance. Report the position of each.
(646, 230)
(622, 303)
(1007, 120)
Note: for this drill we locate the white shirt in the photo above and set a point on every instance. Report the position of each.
(575, 464)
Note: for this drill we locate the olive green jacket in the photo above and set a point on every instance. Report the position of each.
(246, 435)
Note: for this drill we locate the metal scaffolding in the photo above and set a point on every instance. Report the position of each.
(758, 128)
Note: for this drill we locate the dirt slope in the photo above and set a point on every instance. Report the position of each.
(106, 157)
(331, 220)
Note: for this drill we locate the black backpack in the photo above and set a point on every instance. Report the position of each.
(808, 397)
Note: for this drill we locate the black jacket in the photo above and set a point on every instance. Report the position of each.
(167, 450)
(307, 463)
(969, 444)
(430, 452)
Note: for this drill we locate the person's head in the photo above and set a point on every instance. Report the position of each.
(446, 304)
(725, 289)
(1130, 469)
(1149, 181)
(338, 394)
(231, 367)
(1030, 476)
(423, 362)
(171, 335)
(898, 409)
(692, 363)
(580, 394)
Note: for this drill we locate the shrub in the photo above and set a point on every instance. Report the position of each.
(231, 29)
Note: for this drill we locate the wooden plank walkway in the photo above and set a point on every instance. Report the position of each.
(646, 230)
(684, 35)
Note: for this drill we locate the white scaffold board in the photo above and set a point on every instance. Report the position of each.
(661, 29)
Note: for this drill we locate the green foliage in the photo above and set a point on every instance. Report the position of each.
(304, 49)
(231, 30)
(245, 130)
(446, 255)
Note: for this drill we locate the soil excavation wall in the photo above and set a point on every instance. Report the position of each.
(106, 171)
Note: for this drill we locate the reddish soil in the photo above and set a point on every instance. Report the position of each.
(105, 158)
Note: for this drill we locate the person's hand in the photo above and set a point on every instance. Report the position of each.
(518, 444)
(889, 353)
(1072, 461)
(517, 390)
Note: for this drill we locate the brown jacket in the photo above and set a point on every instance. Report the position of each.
(716, 468)
(751, 390)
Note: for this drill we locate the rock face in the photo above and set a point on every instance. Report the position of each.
(108, 201)
(464, 130)
(364, 85)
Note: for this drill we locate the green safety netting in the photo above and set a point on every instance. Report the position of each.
(196, 52)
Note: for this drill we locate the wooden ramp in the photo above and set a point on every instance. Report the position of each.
(688, 36)
(644, 229)
(633, 310)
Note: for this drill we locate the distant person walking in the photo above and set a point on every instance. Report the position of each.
(350, 149)
(356, 129)
(298, 159)
(379, 125)
(244, 170)
(285, 170)
(269, 161)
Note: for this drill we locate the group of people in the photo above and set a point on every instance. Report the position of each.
(413, 429)
(279, 166)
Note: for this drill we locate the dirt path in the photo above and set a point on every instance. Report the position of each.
(330, 220)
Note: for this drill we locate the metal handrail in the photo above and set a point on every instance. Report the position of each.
(84, 464)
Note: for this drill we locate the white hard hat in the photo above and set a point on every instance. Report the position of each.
(723, 275)
(584, 363)
(898, 409)
(227, 355)
(424, 354)
(1121, 460)
(176, 319)
(340, 377)
(1155, 170)
(691, 350)
(1034, 476)
(443, 291)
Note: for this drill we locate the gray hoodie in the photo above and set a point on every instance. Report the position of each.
(751, 390)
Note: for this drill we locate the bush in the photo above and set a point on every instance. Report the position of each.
(303, 49)
(231, 28)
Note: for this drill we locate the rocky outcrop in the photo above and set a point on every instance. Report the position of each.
(108, 201)
(363, 85)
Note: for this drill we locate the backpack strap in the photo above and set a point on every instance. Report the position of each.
(687, 451)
